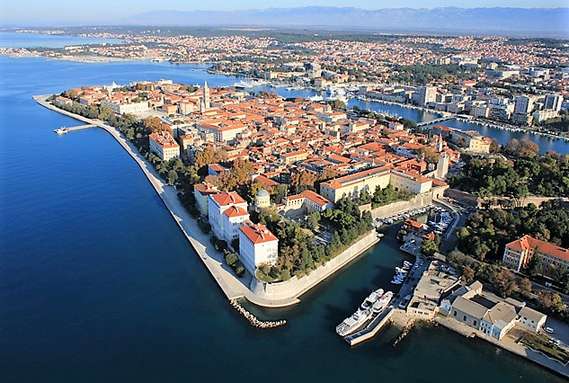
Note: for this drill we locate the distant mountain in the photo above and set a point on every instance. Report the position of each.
(552, 22)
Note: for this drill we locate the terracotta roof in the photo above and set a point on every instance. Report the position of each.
(235, 211)
(225, 198)
(257, 233)
(528, 242)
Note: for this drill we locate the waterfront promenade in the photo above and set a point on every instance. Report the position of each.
(232, 286)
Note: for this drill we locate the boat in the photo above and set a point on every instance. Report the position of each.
(357, 319)
(353, 323)
(548, 330)
(382, 302)
(61, 131)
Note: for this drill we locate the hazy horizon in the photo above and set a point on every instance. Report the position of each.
(71, 13)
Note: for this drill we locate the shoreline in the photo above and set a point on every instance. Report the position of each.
(232, 286)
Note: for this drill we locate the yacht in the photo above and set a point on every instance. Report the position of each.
(382, 302)
(352, 323)
(371, 299)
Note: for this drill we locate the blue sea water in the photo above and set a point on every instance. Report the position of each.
(98, 284)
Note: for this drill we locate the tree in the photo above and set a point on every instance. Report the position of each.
(468, 274)
(172, 177)
(208, 155)
(429, 247)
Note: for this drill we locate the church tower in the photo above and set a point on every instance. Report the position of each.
(205, 96)
(442, 166)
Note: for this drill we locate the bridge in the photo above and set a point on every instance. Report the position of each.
(65, 130)
(435, 121)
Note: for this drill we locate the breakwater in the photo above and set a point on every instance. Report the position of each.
(253, 320)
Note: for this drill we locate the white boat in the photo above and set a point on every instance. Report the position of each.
(371, 299)
(382, 302)
(400, 270)
(352, 323)
(357, 319)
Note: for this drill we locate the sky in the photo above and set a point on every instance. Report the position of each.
(45, 12)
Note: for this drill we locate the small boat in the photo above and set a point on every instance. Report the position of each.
(549, 330)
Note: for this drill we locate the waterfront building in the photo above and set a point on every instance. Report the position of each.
(425, 95)
(231, 219)
(553, 102)
(523, 104)
(163, 145)
(217, 204)
(519, 253)
(202, 191)
(544, 115)
(257, 246)
(470, 140)
(488, 313)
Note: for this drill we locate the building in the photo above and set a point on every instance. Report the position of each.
(123, 108)
(553, 102)
(519, 253)
(262, 199)
(202, 192)
(470, 140)
(217, 204)
(231, 220)
(257, 246)
(306, 203)
(425, 95)
(442, 166)
(523, 104)
(163, 145)
(352, 185)
(531, 319)
(488, 313)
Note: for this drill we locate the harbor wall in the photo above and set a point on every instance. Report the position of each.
(295, 286)
(417, 202)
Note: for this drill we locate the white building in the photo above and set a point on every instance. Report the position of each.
(257, 246)
(202, 192)
(217, 204)
(163, 145)
(231, 219)
(122, 108)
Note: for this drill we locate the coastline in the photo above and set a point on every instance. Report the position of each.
(233, 287)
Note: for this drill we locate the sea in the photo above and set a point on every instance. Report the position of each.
(97, 283)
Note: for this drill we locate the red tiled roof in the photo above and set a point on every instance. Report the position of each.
(235, 211)
(225, 198)
(257, 233)
(528, 242)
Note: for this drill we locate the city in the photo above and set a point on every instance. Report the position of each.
(369, 192)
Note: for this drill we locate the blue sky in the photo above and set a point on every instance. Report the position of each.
(77, 11)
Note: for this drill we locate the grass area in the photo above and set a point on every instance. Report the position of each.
(544, 344)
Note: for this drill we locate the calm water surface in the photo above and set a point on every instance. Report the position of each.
(98, 284)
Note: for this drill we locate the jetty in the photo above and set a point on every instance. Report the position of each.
(64, 129)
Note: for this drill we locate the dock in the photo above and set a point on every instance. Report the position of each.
(371, 329)
(64, 130)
